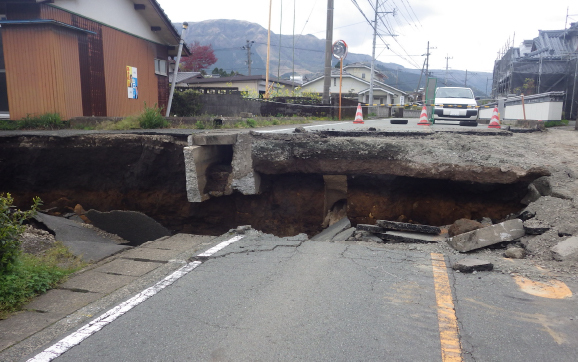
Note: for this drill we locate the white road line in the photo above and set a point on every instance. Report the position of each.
(96, 325)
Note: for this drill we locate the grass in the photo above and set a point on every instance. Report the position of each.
(563, 122)
(151, 118)
(33, 275)
(44, 121)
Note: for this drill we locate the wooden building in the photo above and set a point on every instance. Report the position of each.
(83, 57)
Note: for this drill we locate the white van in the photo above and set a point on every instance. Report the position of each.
(455, 104)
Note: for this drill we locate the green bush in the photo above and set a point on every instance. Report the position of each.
(11, 220)
(186, 103)
(200, 125)
(151, 118)
(251, 123)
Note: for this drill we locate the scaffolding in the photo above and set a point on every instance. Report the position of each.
(550, 65)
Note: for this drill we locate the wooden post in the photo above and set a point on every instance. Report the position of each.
(523, 107)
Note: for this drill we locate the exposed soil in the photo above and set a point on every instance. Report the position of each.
(434, 179)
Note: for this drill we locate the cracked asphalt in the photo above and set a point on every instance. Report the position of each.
(265, 298)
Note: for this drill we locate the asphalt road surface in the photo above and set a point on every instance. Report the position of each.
(262, 298)
(380, 124)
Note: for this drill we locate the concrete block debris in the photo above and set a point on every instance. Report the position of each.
(506, 231)
(535, 227)
(515, 253)
(470, 265)
(407, 237)
(402, 226)
(398, 232)
(462, 226)
(566, 250)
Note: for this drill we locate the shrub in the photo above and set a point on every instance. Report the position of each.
(11, 220)
(200, 125)
(151, 117)
(251, 123)
(186, 103)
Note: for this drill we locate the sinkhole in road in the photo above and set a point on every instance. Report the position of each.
(147, 173)
(290, 204)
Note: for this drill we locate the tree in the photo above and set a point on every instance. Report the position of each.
(202, 56)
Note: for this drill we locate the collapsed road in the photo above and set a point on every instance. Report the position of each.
(286, 184)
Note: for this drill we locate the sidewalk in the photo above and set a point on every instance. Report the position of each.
(93, 290)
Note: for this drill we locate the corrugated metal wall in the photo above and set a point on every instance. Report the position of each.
(122, 50)
(42, 76)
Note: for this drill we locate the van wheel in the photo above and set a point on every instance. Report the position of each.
(469, 123)
(398, 121)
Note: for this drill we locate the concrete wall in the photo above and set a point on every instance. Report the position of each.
(228, 105)
(547, 111)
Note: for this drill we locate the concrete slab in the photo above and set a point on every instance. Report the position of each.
(61, 301)
(370, 228)
(92, 251)
(407, 237)
(329, 233)
(535, 227)
(69, 230)
(566, 249)
(205, 139)
(179, 242)
(127, 267)
(402, 226)
(97, 282)
(132, 226)
(470, 265)
(21, 325)
(506, 231)
(151, 254)
(344, 235)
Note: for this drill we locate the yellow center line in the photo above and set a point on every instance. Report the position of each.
(448, 323)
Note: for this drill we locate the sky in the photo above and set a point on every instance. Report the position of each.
(469, 33)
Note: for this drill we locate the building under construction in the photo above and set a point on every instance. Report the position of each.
(547, 63)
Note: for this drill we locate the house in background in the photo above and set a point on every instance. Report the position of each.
(84, 57)
(254, 84)
(361, 70)
(357, 87)
(547, 63)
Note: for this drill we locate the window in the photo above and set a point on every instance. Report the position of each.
(363, 75)
(160, 67)
(335, 82)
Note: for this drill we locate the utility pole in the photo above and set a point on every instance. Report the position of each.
(426, 70)
(466, 80)
(268, 52)
(447, 61)
(372, 76)
(248, 49)
(328, 52)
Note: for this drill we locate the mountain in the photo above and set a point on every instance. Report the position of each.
(229, 36)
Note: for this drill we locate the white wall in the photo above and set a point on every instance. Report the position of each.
(545, 111)
(116, 13)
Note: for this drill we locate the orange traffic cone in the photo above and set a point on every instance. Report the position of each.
(358, 115)
(423, 121)
(495, 121)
